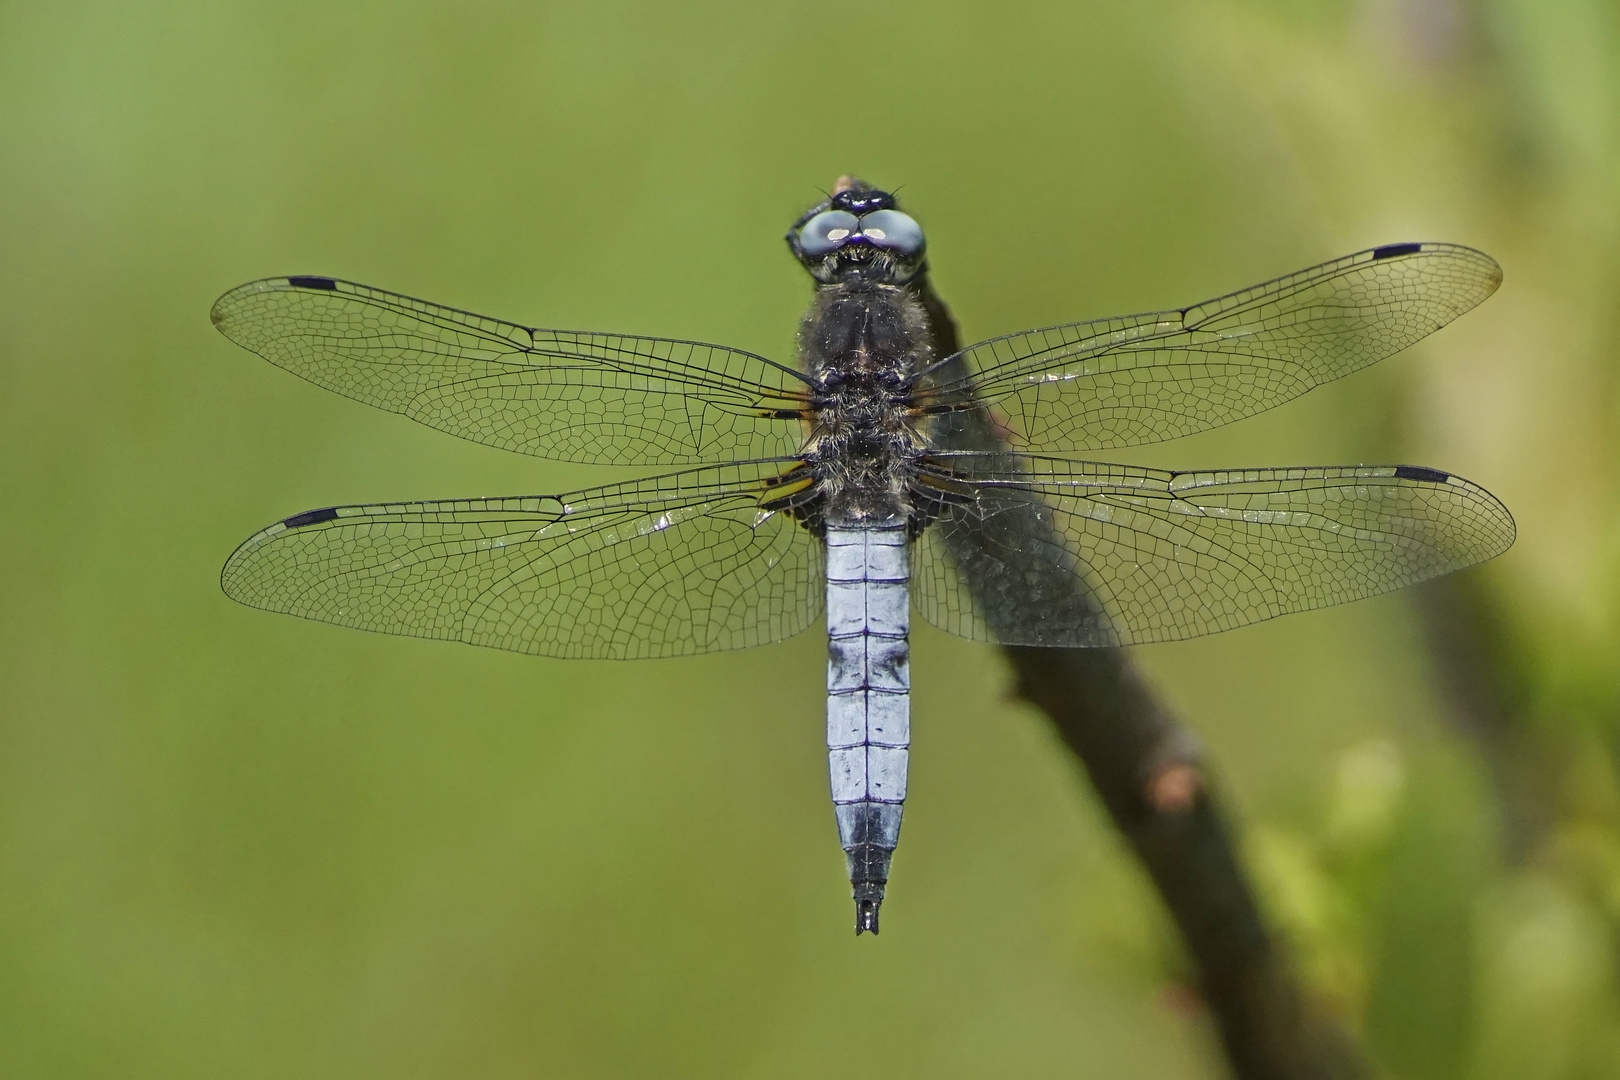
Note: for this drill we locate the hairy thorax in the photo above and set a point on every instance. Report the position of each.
(862, 344)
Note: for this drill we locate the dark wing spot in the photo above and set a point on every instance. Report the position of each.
(305, 282)
(315, 517)
(1389, 251)
(1418, 472)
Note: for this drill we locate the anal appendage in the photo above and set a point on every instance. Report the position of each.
(866, 914)
(868, 875)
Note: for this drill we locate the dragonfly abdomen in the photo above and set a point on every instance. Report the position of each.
(868, 700)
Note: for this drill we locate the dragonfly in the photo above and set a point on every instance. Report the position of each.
(885, 472)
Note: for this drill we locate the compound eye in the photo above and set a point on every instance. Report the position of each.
(893, 230)
(827, 231)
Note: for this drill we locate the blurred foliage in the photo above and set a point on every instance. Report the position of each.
(239, 845)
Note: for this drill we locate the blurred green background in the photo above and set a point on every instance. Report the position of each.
(233, 844)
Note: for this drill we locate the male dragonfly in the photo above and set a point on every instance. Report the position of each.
(887, 471)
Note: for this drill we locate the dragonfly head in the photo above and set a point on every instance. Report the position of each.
(858, 234)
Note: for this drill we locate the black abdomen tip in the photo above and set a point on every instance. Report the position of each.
(866, 916)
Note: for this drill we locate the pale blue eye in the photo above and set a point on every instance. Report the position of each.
(827, 231)
(893, 230)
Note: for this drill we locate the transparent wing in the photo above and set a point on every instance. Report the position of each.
(1147, 378)
(668, 566)
(607, 398)
(1049, 551)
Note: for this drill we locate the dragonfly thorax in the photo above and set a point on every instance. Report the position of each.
(861, 345)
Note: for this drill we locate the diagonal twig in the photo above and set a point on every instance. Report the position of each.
(1150, 775)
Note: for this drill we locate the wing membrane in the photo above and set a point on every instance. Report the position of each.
(1147, 378)
(606, 398)
(668, 566)
(1049, 551)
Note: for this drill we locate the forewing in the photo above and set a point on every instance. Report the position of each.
(607, 398)
(668, 566)
(1048, 551)
(1147, 378)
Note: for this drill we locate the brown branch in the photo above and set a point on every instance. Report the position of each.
(1149, 773)
(1483, 679)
